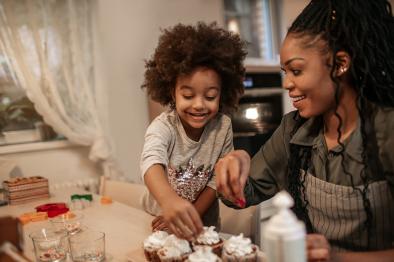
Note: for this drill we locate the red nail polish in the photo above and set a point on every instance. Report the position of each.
(241, 203)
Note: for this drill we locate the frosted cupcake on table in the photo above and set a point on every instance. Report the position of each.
(174, 250)
(203, 254)
(239, 248)
(153, 243)
(209, 237)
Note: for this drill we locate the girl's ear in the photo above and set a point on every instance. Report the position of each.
(342, 62)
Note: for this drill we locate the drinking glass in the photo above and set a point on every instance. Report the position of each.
(49, 245)
(71, 223)
(87, 245)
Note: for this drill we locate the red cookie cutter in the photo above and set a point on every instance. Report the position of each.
(53, 209)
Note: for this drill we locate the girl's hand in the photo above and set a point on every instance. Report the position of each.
(158, 224)
(231, 174)
(318, 248)
(182, 218)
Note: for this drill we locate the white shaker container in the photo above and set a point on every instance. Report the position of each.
(284, 234)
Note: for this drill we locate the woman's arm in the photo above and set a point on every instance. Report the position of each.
(381, 256)
(180, 215)
(267, 169)
(318, 249)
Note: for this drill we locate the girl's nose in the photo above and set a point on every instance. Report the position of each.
(198, 103)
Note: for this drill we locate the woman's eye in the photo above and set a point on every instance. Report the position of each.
(296, 72)
(187, 97)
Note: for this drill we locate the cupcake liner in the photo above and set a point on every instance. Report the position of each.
(173, 259)
(252, 257)
(151, 255)
(216, 248)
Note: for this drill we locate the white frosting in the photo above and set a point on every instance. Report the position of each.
(170, 252)
(208, 237)
(238, 246)
(181, 244)
(155, 240)
(203, 254)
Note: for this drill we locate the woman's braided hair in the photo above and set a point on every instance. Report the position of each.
(183, 48)
(364, 29)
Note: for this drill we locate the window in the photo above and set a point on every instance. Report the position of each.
(46, 51)
(19, 121)
(257, 23)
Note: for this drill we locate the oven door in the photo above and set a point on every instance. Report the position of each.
(255, 120)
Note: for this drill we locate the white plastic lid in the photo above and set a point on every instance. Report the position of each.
(284, 224)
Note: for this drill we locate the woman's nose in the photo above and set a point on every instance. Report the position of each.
(287, 83)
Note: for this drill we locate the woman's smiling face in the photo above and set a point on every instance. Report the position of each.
(307, 76)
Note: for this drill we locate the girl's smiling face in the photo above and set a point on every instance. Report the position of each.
(307, 76)
(197, 99)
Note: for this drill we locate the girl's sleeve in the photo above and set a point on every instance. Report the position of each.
(158, 138)
(269, 166)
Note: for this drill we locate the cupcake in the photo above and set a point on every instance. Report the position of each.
(203, 254)
(153, 243)
(239, 248)
(174, 250)
(209, 237)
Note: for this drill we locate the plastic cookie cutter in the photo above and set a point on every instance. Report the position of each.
(87, 197)
(53, 209)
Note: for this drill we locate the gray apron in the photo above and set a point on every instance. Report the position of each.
(338, 213)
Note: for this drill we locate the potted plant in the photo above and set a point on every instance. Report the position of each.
(17, 121)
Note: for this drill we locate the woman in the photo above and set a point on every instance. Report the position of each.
(334, 153)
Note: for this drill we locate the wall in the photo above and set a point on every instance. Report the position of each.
(130, 32)
(63, 163)
(289, 9)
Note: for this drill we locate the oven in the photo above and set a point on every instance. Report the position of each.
(260, 110)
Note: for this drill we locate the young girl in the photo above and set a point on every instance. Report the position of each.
(198, 72)
(335, 153)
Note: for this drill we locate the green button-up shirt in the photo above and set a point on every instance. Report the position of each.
(269, 167)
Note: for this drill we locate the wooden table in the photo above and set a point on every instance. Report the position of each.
(125, 227)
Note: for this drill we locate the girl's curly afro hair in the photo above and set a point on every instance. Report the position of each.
(183, 48)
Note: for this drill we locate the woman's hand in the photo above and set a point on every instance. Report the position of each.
(318, 248)
(182, 218)
(231, 174)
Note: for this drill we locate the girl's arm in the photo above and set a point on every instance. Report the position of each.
(180, 215)
(202, 204)
(205, 200)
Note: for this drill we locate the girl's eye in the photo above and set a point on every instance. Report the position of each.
(210, 98)
(187, 97)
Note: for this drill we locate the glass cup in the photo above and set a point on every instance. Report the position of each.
(71, 223)
(49, 245)
(87, 245)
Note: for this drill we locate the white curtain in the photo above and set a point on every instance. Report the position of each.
(49, 44)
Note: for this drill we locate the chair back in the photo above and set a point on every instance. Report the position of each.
(236, 221)
(124, 192)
